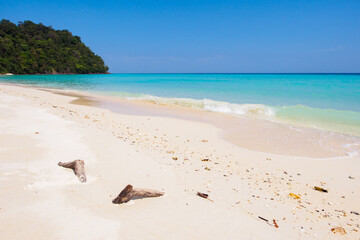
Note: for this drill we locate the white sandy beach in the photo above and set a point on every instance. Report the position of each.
(40, 200)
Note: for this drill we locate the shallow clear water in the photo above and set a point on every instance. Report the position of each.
(327, 101)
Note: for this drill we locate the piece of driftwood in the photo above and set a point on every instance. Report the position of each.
(320, 189)
(264, 219)
(129, 192)
(203, 195)
(78, 166)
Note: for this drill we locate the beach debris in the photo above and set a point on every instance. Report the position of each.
(78, 166)
(351, 177)
(129, 192)
(36, 132)
(341, 211)
(205, 160)
(175, 158)
(54, 106)
(275, 224)
(354, 212)
(203, 195)
(340, 230)
(204, 140)
(264, 219)
(320, 189)
(294, 196)
(206, 168)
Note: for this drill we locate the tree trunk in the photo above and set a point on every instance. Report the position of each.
(129, 192)
(78, 166)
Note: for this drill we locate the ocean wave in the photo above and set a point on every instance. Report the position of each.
(239, 109)
(327, 119)
(259, 110)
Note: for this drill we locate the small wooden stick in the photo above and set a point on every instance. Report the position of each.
(263, 219)
(78, 166)
(129, 192)
(204, 195)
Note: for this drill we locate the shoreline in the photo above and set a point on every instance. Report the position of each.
(335, 73)
(40, 128)
(340, 119)
(317, 142)
(50, 74)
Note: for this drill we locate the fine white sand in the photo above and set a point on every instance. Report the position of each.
(40, 200)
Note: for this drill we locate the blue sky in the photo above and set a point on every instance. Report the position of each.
(207, 36)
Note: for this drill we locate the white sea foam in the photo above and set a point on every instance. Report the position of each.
(352, 149)
(259, 110)
(239, 109)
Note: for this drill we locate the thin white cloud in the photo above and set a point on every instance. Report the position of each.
(334, 49)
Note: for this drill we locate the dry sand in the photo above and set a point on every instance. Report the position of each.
(40, 200)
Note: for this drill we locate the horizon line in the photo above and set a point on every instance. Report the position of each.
(349, 73)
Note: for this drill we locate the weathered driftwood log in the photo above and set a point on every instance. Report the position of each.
(129, 192)
(78, 166)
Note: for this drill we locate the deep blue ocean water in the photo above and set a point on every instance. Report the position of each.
(327, 101)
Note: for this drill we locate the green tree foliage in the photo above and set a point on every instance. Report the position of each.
(29, 48)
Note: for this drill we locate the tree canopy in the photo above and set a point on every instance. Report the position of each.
(29, 48)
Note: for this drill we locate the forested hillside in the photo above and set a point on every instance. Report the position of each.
(29, 48)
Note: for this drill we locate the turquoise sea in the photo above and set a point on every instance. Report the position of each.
(325, 101)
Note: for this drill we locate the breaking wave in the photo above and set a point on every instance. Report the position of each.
(328, 119)
(259, 110)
